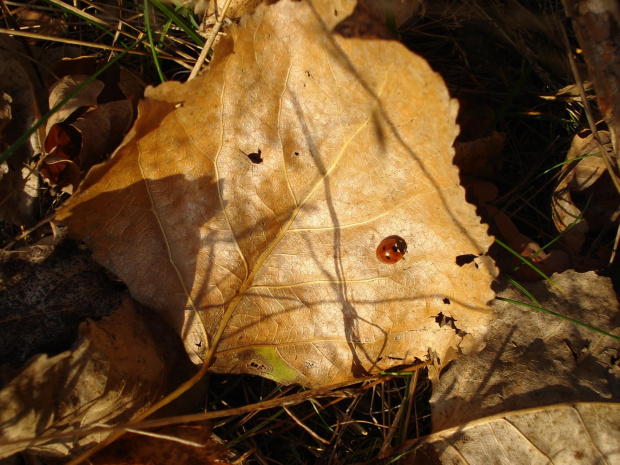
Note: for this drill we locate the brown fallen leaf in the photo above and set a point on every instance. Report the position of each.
(532, 359)
(236, 9)
(281, 255)
(580, 180)
(548, 262)
(584, 432)
(115, 372)
(542, 389)
(477, 151)
(476, 156)
(42, 23)
(5, 111)
(119, 83)
(596, 26)
(45, 293)
(92, 123)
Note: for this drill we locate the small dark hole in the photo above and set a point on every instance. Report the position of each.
(465, 259)
(255, 157)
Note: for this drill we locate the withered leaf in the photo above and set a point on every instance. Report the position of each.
(115, 372)
(532, 359)
(587, 177)
(356, 139)
(583, 432)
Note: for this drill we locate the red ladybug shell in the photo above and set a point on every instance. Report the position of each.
(391, 249)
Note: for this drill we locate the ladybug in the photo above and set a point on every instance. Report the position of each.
(391, 249)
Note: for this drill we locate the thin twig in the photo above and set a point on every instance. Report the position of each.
(209, 44)
(339, 390)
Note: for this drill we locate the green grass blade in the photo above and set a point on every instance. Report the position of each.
(570, 226)
(522, 289)
(179, 21)
(527, 262)
(255, 428)
(566, 162)
(149, 33)
(321, 418)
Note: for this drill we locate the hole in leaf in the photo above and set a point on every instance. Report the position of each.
(465, 259)
(255, 157)
(443, 320)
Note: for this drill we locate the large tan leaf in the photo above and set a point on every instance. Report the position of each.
(355, 137)
(565, 434)
(532, 359)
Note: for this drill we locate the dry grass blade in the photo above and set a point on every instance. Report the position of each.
(214, 32)
(82, 43)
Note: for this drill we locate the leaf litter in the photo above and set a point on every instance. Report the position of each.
(263, 229)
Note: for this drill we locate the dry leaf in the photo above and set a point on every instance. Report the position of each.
(354, 150)
(119, 83)
(475, 149)
(236, 9)
(43, 24)
(579, 180)
(113, 374)
(566, 434)
(475, 155)
(534, 359)
(92, 123)
(5, 111)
